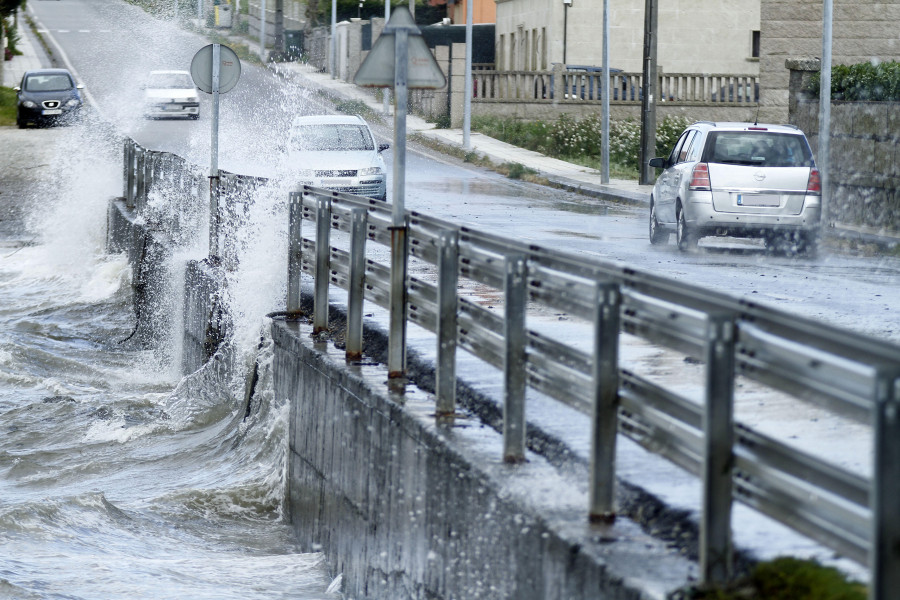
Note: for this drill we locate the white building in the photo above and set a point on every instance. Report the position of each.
(695, 36)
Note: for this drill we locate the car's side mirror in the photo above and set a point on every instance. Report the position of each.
(80, 86)
(383, 147)
(17, 89)
(658, 162)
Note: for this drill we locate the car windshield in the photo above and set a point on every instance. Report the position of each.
(332, 137)
(170, 81)
(758, 148)
(47, 83)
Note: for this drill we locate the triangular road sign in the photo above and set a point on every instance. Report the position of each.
(377, 70)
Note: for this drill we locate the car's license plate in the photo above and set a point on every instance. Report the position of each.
(171, 107)
(768, 200)
(52, 111)
(339, 181)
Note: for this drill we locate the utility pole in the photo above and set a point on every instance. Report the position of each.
(279, 28)
(648, 99)
(823, 158)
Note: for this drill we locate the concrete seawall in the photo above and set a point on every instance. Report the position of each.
(402, 507)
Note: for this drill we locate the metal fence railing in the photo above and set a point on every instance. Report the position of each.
(839, 370)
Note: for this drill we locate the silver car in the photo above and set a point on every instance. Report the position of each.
(739, 180)
(337, 152)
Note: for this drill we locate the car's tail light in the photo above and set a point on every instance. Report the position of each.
(814, 185)
(700, 177)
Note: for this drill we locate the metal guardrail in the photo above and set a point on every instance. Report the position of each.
(839, 370)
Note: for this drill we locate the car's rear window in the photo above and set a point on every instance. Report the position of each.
(332, 137)
(47, 83)
(758, 148)
(170, 81)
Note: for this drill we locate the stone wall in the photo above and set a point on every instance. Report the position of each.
(862, 30)
(865, 154)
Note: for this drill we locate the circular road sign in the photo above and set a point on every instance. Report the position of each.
(229, 69)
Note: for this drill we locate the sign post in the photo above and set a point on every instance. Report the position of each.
(215, 70)
(400, 58)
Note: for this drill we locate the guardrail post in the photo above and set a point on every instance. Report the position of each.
(140, 177)
(606, 404)
(884, 556)
(323, 262)
(398, 299)
(129, 172)
(357, 279)
(514, 360)
(295, 251)
(718, 426)
(448, 277)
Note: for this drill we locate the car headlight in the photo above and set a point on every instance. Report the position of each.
(371, 171)
(29, 104)
(193, 99)
(72, 103)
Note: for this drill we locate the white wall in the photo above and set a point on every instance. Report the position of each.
(695, 36)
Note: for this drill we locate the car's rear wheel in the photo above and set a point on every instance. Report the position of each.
(658, 235)
(686, 238)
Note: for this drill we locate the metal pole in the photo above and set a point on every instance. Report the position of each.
(262, 31)
(604, 124)
(467, 102)
(565, 26)
(387, 91)
(605, 404)
(279, 27)
(333, 46)
(648, 100)
(718, 427)
(397, 335)
(355, 285)
(448, 304)
(214, 156)
(823, 159)
(884, 557)
(295, 251)
(323, 262)
(514, 374)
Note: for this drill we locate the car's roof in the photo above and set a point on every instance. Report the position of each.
(736, 126)
(327, 120)
(48, 72)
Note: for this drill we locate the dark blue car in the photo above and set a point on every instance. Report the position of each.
(47, 97)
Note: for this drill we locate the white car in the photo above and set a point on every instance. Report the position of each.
(170, 94)
(339, 153)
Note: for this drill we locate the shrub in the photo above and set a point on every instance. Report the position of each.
(863, 81)
(581, 140)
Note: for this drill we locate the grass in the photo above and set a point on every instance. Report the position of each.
(7, 106)
(783, 578)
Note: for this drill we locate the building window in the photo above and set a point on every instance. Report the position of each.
(754, 44)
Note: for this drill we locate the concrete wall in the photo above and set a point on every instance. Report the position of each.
(406, 509)
(863, 30)
(865, 160)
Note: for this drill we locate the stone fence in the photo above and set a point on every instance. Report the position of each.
(864, 165)
(533, 95)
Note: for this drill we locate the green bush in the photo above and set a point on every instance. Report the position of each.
(863, 81)
(7, 106)
(580, 140)
(783, 578)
